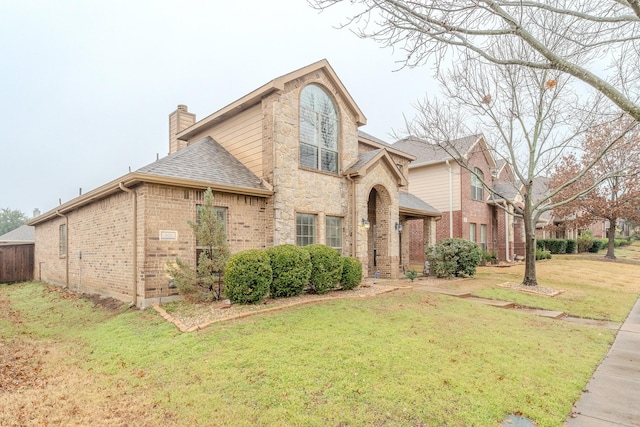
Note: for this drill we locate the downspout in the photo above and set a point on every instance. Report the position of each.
(450, 199)
(506, 234)
(66, 243)
(134, 243)
(354, 221)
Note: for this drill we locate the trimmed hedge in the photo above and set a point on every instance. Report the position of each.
(248, 276)
(454, 257)
(571, 246)
(351, 273)
(597, 245)
(291, 268)
(326, 268)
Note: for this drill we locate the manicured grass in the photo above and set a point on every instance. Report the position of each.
(406, 358)
(593, 288)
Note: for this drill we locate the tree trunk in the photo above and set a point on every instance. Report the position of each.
(530, 278)
(612, 239)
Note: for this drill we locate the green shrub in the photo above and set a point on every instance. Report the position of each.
(291, 268)
(620, 242)
(585, 242)
(542, 254)
(540, 243)
(454, 257)
(351, 273)
(248, 276)
(571, 246)
(597, 245)
(556, 246)
(326, 268)
(411, 274)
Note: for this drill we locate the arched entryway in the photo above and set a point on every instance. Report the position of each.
(378, 236)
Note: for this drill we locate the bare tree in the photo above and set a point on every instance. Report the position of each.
(618, 196)
(530, 118)
(595, 41)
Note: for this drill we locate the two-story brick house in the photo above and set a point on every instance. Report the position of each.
(286, 163)
(469, 211)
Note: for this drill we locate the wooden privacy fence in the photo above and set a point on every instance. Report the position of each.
(16, 263)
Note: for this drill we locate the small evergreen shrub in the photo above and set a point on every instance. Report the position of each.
(351, 273)
(597, 245)
(454, 257)
(540, 243)
(326, 268)
(411, 274)
(542, 254)
(620, 242)
(291, 269)
(248, 276)
(571, 246)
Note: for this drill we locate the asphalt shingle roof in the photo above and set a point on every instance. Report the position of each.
(205, 161)
(426, 152)
(24, 233)
(409, 201)
(363, 159)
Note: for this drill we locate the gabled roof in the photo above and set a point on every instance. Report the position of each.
(507, 190)
(378, 143)
(368, 159)
(427, 153)
(22, 234)
(206, 161)
(414, 206)
(203, 164)
(275, 85)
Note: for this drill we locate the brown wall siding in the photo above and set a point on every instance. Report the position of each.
(241, 136)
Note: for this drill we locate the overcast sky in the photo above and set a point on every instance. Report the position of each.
(87, 87)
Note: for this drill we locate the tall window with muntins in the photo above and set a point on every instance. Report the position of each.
(221, 215)
(334, 232)
(62, 242)
(318, 130)
(477, 192)
(305, 229)
(472, 232)
(483, 236)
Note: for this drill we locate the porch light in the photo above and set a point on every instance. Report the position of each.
(365, 224)
(398, 227)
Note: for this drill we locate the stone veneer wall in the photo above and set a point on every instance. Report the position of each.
(296, 189)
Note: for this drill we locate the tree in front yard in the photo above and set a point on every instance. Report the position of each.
(618, 196)
(205, 281)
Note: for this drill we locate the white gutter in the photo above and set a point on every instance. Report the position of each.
(450, 199)
(506, 236)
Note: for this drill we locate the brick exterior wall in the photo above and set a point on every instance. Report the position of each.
(103, 232)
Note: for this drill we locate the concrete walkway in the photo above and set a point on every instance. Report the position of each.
(612, 397)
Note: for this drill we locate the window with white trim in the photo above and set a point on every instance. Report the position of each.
(477, 192)
(318, 130)
(472, 232)
(483, 236)
(334, 232)
(305, 229)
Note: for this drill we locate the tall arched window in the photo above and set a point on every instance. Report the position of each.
(476, 184)
(318, 130)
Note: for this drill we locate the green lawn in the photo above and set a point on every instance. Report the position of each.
(406, 358)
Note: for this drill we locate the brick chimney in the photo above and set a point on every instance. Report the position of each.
(179, 120)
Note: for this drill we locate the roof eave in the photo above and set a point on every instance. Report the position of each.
(134, 178)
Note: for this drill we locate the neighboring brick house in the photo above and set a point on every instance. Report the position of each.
(286, 164)
(469, 211)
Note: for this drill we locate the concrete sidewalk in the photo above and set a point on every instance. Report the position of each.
(612, 397)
